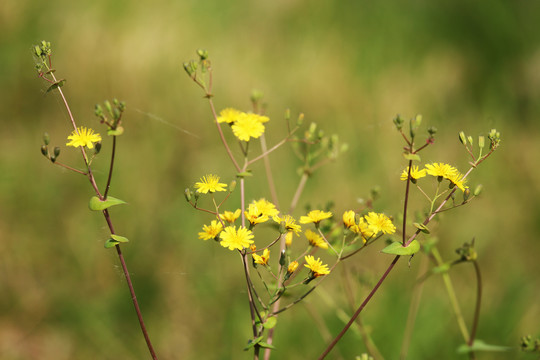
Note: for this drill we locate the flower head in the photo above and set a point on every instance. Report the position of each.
(380, 223)
(292, 267)
(230, 216)
(440, 169)
(315, 239)
(315, 216)
(415, 173)
(290, 223)
(364, 229)
(254, 215)
(266, 207)
(262, 259)
(316, 266)
(210, 183)
(83, 137)
(349, 218)
(457, 180)
(211, 231)
(248, 126)
(228, 115)
(236, 239)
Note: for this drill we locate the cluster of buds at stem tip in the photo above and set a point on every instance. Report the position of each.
(527, 344)
(43, 50)
(467, 252)
(45, 149)
(115, 111)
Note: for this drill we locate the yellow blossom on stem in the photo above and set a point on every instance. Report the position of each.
(254, 215)
(290, 223)
(266, 207)
(211, 231)
(380, 223)
(315, 216)
(349, 219)
(440, 170)
(210, 183)
(262, 259)
(228, 115)
(230, 216)
(83, 137)
(315, 239)
(236, 239)
(457, 180)
(247, 126)
(316, 266)
(364, 229)
(292, 267)
(415, 173)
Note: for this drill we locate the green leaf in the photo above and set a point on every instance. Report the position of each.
(116, 132)
(396, 248)
(253, 342)
(244, 174)
(423, 228)
(119, 238)
(270, 322)
(96, 204)
(110, 243)
(479, 345)
(413, 157)
(56, 85)
(266, 345)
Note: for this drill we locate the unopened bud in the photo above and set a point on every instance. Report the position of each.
(108, 106)
(478, 190)
(53, 158)
(203, 54)
(44, 150)
(432, 130)
(56, 151)
(462, 138)
(97, 147)
(470, 139)
(312, 128)
(300, 120)
(398, 122)
(466, 194)
(288, 114)
(481, 142)
(46, 138)
(232, 186)
(282, 258)
(187, 194)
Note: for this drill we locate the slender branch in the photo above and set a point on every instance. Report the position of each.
(406, 202)
(268, 169)
(298, 192)
(477, 307)
(109, 178)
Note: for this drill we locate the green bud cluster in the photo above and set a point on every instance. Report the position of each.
(45, 149)
(467, 252)
(112, 117)
(43, 50)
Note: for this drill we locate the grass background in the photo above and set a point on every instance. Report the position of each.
(350, 67)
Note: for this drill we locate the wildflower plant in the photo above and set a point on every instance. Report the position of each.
(329, 239)
(89, 143)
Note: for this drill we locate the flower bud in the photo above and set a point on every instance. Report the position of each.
(470, 139)
(478, 190)
(45, 150)
(398, 122)
(46, 138)
(203, 54)
(300, 120)
(97, 147)
(282, 258)
(466, 194)
(288, 114)
(187, 194)
(481, 142)
(462, 138)
(56, 151)
(232, 186)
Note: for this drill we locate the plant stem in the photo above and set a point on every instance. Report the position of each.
(478, 304)
(406, 202)
(109, 178)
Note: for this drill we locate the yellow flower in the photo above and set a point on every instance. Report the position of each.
(315, 216)
(440, 169)
(349, 219)
(247, 126)
(266, 207)
(315, 239)
(83, 137)
(380, 223)
(363, 228)
(254, 215)
(457, 180)
(230, 216)
(228, 115)
(415, 173)
(236, 239)
(290, 223)
(210, 183)
(316, 266)
(211, 231)
(262, 259)
(292, 267)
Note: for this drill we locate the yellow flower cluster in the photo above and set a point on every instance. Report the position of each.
(369, 225)
(244, 125)
(439, 170)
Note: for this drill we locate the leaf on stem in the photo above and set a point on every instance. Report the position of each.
(413, 157)
(397, 248)
(96, 204)
(56, 85)
(116, 132)
(115, 240)
(479, 345)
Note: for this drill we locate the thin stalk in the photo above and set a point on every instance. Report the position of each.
(268, 169)
(406, 202)
(298, 192)
(109, 178)
(477, 307)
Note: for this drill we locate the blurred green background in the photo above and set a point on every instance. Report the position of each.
(350, 67)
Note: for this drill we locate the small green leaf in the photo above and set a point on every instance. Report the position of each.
(244, 174)
(479, 345)
(266, 345)
(253, 342)
(110, 243)
(413, 157)
(423, 228)
(396, 248)
(96, 204)
(116, 132)
(56, 85)
(270, 322)
(119, 238)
